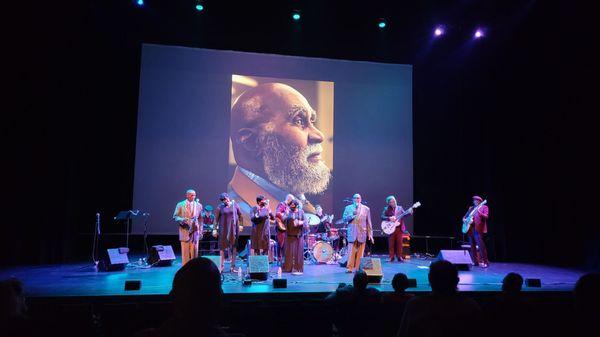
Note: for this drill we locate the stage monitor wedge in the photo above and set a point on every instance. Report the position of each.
(114, 259)
(258, 267)
(161, 256)
(460, 258)
(372, 267)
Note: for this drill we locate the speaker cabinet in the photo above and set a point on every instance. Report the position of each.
(533, 282)
(133, 285)
(460, 258)
(279, 283)
(258, 267)
(372, 267)
(161, 256)
(114, 259)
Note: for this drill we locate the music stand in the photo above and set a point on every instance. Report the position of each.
(127, 216)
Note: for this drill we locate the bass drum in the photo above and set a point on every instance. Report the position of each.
(322, 252)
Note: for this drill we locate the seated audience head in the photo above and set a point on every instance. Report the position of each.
(12, 300)
(587, 293)
(360, 280)
(512, 283)
(443, 278)
(400, 282)
(197, 291)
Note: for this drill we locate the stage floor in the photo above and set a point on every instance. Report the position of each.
(84, 280)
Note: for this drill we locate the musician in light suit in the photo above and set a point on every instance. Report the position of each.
(360, 228)
(187, 215)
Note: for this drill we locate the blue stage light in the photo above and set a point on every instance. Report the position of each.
(140, 2)
(382, 24)
(296, 16)
(199, 7)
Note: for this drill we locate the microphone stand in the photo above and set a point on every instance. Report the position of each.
(146, 215)
(95, 245)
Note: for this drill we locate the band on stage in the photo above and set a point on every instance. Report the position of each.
(289, 235)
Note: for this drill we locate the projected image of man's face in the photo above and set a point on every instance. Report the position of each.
(274, 135)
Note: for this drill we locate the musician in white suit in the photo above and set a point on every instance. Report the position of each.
(187, 215)
(360, 228)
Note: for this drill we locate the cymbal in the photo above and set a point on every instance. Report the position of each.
(312, 219)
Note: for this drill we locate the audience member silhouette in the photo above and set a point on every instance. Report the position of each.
(510, 309)
(587, 302)
(197, 298)
(13, 310)
(355, 307)
(394, 303)
(399, 296)
(444, 312)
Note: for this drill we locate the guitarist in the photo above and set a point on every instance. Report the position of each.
(392, 212)
(476, 231)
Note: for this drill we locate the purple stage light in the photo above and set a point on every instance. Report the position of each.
(478, 33)
(439, 31)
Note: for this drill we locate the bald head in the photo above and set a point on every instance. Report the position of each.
(261, 104)
(273, 134)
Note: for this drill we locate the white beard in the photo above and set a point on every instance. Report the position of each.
(287, 166)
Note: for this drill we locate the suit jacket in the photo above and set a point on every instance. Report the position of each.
(480, 218)
(360, 226)
(183, 212)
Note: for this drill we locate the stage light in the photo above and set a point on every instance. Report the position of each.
(439, 31)
(296, 15)
(479, 33)
(381, 23)
(140, 2)
(199, 7)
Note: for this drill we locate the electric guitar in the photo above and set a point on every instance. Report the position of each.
(388, 227)
(469, 218)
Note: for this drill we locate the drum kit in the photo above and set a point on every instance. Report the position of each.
(328, 247)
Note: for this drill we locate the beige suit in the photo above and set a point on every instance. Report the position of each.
(360, 229)
(188, 213)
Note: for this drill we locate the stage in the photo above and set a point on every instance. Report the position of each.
(82, 279)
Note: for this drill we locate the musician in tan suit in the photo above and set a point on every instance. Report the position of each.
(360, 228)
(187, 215)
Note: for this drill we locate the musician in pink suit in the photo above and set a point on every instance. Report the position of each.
(476, 231)
(392, 212)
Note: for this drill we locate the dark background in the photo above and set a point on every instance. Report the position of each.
(507, 117)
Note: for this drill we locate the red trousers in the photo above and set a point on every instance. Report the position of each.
(395, 244)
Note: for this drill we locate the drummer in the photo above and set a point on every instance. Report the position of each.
(325, 223)
(210, 233)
